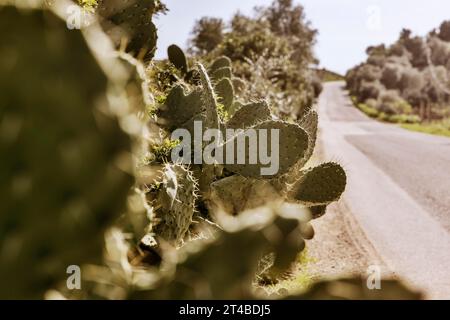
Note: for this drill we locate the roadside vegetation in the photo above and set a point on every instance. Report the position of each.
(271, 50)
(440, 128)
(328, 76)
(407, 82)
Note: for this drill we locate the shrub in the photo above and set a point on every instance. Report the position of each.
(444, 31)
(207, 35)
(369, 90)
(403, 118)
(368, 110)
(391, 76)
(390, 102)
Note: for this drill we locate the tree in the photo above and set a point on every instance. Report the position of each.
(391, 76)
(416, 46)
(288, 20)
(207, 34)
(444, 31)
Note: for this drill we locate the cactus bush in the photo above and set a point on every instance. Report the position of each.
(233, 188)
(63, 152)
(236, 187)
(174, 204)
(130, 26)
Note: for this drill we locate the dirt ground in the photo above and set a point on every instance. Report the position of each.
(339, 247)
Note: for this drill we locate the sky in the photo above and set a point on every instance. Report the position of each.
(346, 27)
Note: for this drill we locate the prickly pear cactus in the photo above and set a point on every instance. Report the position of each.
(249, 115)
(264, 230)
(310, 124)
(320, 185)
(296, 145)
(225, 93)
(222, 73)
(129, 24)
(211, 117)
(180, 109)
(219, 63)
(61, 178)
(174, 203)
(292, 144)
(178, 58)
(236, 194)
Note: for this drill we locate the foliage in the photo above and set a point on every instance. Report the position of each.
(440, 128)
(63, 152)
(207, 34)
(272, 51)
(161, 152)
(327, 76)
(416, 68)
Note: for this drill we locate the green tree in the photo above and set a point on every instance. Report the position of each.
(207, 34)
(444, 31)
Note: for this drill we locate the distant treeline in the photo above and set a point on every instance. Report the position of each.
(409, 77)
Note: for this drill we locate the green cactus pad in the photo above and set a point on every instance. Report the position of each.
(293, 143)
(249, 115)
(130, 21)
(310, 123)
(225, 93)
(222, 73)
(321, 185)
(235, 194)
(222, 62)
(177, 58)
(60, 183)
(179, 108)
(175, 203)
(211, 120)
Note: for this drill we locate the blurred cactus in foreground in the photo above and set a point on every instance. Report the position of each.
(63, 152)
(224, 265)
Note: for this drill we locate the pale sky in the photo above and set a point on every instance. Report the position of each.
(346, 27)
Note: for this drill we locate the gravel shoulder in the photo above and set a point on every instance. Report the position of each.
(340, 248)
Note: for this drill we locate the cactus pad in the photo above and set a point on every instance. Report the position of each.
(175, 197)
(225, 93)
(219, 63)
(321, 185)
(177, 58)
(293, 143)
(249, 115)
(130, 23)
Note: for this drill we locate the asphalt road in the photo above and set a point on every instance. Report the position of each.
(398, 189)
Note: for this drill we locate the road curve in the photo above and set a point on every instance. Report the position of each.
(398, 189)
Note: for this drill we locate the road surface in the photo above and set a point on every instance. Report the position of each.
(398, 189)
